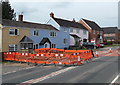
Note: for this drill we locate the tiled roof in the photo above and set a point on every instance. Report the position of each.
(26, 39)
(44, 40)
(67, 23)
(27, 24)
(92, 24)
(108, 30)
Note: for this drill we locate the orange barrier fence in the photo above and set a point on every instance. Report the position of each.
(51, 56)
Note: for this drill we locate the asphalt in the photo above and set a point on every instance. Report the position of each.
(27, 74)
(103, 70)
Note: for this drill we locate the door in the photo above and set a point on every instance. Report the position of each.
(47, 45)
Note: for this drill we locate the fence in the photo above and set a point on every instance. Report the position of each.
(51, 56)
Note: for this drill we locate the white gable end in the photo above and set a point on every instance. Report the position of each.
(53, 23)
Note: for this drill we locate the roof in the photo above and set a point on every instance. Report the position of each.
(74, 35)
(26, 39)
(67, 23)
(44, 40)
(92, 24)
(27, 24)
(108, 30)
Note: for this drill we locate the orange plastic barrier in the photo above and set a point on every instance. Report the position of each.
(51, 56)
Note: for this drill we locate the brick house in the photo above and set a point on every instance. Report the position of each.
(119, 36)
(95, 31)
(111, 34)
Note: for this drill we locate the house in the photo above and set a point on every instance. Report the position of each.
(11, 34)
(26, 36)
(95, 31)
(111, 34)
(72, 30)
(119, 36)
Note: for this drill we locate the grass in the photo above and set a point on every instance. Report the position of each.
(112, 45)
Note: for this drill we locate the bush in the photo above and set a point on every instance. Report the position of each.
(109, 43)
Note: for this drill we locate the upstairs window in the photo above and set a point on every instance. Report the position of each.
(13, 31)
(53, 34)
(84, 32)
(35, 32)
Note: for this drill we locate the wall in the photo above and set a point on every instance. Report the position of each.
(58, 40)
(80, 34)
(91, 34)
(60, 35)
(7, 39)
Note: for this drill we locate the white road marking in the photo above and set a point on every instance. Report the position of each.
(18, 70)
(109, 54)
(115, 79)
(47, 76)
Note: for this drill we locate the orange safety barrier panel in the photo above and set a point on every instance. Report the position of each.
(51, 56)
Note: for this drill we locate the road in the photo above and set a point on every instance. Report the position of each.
(101, 70)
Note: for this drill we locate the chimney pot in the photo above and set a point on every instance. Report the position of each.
(20, 18)
(52, 14)
(73, 20)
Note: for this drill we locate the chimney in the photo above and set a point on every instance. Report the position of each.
(20, 18)
(73, 20)
(52, 14)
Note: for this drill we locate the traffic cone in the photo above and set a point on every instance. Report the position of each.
(110, 51)
(97, 54)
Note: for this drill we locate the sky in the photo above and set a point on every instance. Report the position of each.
(103, 12)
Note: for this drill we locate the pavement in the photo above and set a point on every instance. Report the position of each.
(10, 67)
(103, 69)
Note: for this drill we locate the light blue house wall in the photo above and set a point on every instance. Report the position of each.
(45, 33)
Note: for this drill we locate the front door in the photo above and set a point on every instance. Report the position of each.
(47, 45)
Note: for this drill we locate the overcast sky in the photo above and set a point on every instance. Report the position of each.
(103, 12)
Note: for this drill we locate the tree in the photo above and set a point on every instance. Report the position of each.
(7, 11)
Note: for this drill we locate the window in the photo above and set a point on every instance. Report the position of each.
(53, 46)
(71, 30)
(94, 31)
(13, 32)
(65, 29)
(65, 41)
(84, 32)
(26, 45)
(53, 34)
(12, 48)
(35, 46)
(35, 32)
